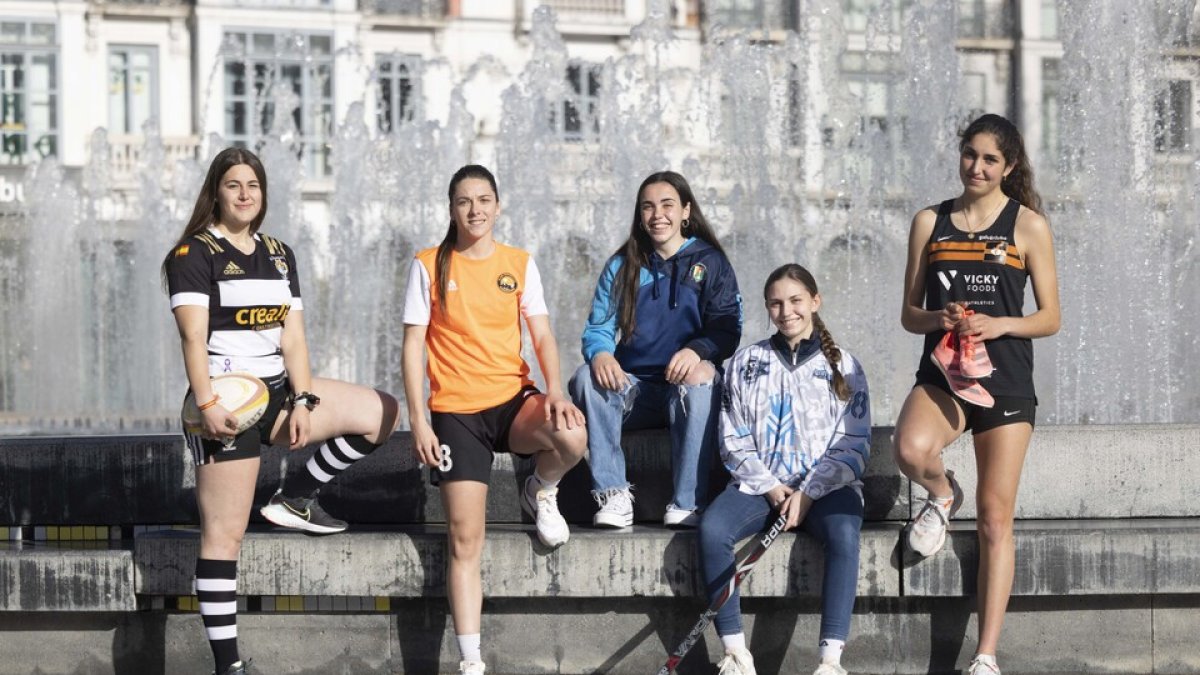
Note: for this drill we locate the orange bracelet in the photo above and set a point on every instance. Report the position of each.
(206, 406)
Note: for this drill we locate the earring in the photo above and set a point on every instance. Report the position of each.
(686, 224)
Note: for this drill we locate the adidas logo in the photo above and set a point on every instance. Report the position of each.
(232, 269)
(451, 286)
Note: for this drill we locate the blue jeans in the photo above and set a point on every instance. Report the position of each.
(835, 520)
(689, 411)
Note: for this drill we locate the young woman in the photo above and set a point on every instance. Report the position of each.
(796, 433)
(665, 315)
(235, 294)
(462, 307)
(968, 262)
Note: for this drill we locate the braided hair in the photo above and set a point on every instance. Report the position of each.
(828, 347)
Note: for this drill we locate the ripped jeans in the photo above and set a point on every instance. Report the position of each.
(688, 411)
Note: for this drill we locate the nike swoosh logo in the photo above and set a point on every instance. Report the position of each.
(945, 237)
(303, 514)
(1010, 413)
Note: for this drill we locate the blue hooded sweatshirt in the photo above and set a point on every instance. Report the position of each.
(690, 300)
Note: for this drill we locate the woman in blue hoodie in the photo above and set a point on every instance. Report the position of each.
(654, 342)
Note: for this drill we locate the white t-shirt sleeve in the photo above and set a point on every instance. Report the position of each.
(533, 300)
(416, 296)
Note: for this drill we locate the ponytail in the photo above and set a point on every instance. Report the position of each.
(441, 268)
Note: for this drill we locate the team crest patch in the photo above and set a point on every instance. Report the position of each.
(698, 272)
(507, 283)
(182, 251)
(996, 252)
(281, 265)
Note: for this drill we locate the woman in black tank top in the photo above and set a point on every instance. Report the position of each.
(968, 263)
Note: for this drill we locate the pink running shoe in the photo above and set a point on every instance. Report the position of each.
(974, 361)
(945, 354)
(965, 388)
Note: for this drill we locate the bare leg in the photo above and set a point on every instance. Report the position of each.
(465, 502)
(224, 494)
(555, 451)
(999, 456)
(929, 421)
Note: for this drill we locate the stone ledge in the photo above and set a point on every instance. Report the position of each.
(411, 562)
(74, 578)
(1086, 557)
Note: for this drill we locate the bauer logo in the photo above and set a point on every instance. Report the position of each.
(507, 283)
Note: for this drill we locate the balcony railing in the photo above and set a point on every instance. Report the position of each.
(125, 154)
(428, 10)
(609, 8)
(750, 15)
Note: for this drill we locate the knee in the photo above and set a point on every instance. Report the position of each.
(221, 544)
(704, 373)
(995, 525)
(571, 443)
(842, 536)
(912, 449)
(464, 546)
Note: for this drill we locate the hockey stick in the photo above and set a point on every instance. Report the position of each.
(739, 573)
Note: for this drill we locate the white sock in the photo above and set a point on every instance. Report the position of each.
(735, 642)
(542, 483)
(830, 651)
(468, 647)
(989, 659)
(943, 503)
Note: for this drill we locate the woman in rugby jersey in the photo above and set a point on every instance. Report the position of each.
(796, 434)
(463, 308)
(235, 294)
(969, 260)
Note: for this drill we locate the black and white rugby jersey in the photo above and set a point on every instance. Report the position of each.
(247, 296)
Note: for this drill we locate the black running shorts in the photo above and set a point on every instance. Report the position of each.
(1007, 410)
(474, 437)
(247, 444)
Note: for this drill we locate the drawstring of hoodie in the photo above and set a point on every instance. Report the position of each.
(673, 298)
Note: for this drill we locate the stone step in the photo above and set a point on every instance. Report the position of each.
(1140, 471)
(48, 577)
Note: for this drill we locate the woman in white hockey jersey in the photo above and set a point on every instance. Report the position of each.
(796, 432)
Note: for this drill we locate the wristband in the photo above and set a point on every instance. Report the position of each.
(206, 406)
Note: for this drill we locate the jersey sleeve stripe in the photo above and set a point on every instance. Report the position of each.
(196, 299)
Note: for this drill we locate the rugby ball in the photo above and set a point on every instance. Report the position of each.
(242, 394)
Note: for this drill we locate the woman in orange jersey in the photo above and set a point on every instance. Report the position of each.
(462, 308)
(969, 260)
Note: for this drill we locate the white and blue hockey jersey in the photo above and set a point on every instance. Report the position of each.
(782, 423)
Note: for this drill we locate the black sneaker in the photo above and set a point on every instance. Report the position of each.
(300, 513)
(238, 668)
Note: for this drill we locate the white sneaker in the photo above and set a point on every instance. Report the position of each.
(927, 532)
(542, 506)
(677, 517)
(978, 667)
(471, 667)
(737, 662)
(830, 669)
(616, 508)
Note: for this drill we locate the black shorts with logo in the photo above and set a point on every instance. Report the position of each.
(247, 444)
(473, 438)
(1007, 410)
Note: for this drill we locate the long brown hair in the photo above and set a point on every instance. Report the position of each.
(207, 210)
(828, 347)
(637, 248)
(442, 264)
(1018, 184)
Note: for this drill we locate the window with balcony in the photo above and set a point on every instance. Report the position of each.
(273, 68)
(132, 88)
(400, 96)
(577, 118)
(768, 15)
(1173, 117)
(871, 80)
(28, 91)
(427, 10)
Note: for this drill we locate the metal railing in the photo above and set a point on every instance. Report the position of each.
(756, 15)
(613, 8)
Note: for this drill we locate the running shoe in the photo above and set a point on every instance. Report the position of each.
(301, 513)
(737, 662)
(829, 669)
(945, 354)
(542, 506)
(978, 667)
(927, 532)
(974, 362)
(616, 508)
(680, 518)
(237, 668)
(965, 388)
(471, 667)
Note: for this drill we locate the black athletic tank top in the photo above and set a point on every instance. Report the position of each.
(988, 273)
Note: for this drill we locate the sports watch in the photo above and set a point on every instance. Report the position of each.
(307, 399)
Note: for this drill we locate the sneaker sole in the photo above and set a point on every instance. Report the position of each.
(283, 518)
(613, 522)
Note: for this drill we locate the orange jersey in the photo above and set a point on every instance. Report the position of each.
(475, 345)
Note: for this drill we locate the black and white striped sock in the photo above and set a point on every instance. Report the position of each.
(216, 589)
(333, 457)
